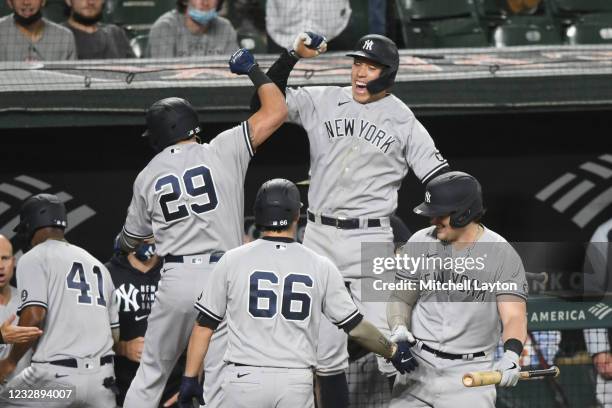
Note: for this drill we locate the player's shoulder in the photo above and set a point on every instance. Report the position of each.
(491, 236)
(424, 235)
(395, 106)
(321, 91)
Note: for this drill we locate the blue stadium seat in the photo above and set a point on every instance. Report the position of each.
(527, 30)
(440, 23)
(532, 27)
(139, 45)
(595, 28)
(584, 21)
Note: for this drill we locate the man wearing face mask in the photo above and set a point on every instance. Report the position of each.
(93, 39)
(27, 36)
(193, 29)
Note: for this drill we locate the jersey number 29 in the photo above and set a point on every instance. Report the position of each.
(263, 302)
(197, 183)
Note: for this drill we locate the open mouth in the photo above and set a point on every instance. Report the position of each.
(361, 86)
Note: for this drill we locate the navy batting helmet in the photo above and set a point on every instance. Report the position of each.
(382, 50)
(171, 120)
(39, 211)
(277, 204)
(455, 193)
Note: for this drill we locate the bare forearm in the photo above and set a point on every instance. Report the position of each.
(197, 349)
(515, 328)
(31, 316)
(372, 339)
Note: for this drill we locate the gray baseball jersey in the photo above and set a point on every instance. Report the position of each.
(274, 292)
(191, 196)
(461, 319)
(77, 291)
(5, 311)
(360, 153)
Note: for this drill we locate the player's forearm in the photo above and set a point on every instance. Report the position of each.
(513, 314)
(398, 313)
(32, 316)
(197, 349)
(515, 328)
(369, 337)
(270, 116)
(279, 74)
(399, 307)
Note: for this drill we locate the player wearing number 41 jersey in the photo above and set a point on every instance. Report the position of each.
(68, 294)
(274, 292)
(190, 198)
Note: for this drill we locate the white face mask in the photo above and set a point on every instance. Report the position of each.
(202, 17)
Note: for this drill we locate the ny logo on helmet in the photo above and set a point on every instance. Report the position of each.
(367, 45)
(427, 197)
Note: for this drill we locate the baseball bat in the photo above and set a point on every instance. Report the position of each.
(480, 378)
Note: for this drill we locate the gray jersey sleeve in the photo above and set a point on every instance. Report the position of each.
(113, 301)
(212, 302)
(137, 223)
(32, 282)
(235, 146)
(421, 153)
(338, 306)
(512, 272)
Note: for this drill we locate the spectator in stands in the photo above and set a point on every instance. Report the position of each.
(597, 280)
(9, 300)
(136, 277)
(285, 19)
(93, 39)
(194, 29)
(26, 35)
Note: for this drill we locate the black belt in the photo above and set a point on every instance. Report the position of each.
(72, 363)
(214, 257)
(449, 356)
(344, 223)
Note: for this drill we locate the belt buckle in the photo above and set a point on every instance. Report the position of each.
(89, 363)
(468, 357)
(337, 222)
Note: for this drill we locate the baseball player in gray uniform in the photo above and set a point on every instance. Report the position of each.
(274, 292)
(363, 141)
(190, 197)
(68, 294)
(9, 302)
(455, 329)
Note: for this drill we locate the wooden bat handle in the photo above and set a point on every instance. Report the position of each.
(480, 378)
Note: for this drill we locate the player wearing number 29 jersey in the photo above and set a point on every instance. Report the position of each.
(190, 198)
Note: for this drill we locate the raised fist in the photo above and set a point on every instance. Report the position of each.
(242, 62)
(309, 44)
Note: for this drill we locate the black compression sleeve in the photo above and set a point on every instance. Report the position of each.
(205, 321)
(279, 74)
(258, 77)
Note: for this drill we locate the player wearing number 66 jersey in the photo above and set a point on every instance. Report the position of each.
(67, 293)
(274, 292)
(190, 198)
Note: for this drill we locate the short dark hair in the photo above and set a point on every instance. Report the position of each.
(181, 5)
